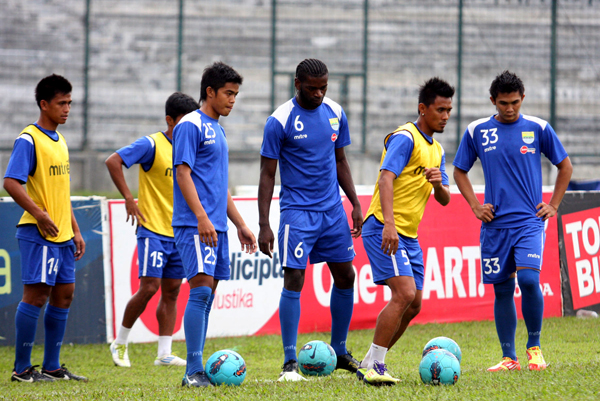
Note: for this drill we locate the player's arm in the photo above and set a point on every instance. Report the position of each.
(389, 242)
(206, 230)
(344, 177)
(77, 239)
(114, 163)
(565, 169)
(19, 194)
(266, 239)
(485, 212)
(441, 192)
(246, 236)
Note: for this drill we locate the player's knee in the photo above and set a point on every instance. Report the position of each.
(505, 289)
(529, 280)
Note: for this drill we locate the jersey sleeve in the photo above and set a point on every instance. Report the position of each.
(551, 146)
(272, 139)
(141, 151)
(399, 150)
(445, 180)
(22, 160)
(344, 133)
(466, 155)
(186, 139)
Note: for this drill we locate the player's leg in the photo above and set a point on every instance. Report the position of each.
(297, 235)
(55, 317)
(335, 247)
(415, 256)
(528, 255)
(37, 284)
(498, 268)
(199, 261)
(166, 310)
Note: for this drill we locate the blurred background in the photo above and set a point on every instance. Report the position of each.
(124, 58)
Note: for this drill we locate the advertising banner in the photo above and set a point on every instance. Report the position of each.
(248, 303)
(87, 321)
(579, 226)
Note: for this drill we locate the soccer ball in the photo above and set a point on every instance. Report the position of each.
(317, 358)
(443, 343)
(226, 367)
(439, 366)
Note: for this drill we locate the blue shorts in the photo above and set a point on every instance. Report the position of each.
(46, 264)
(200, 258)
(158, 258)
(408, 260)
(325, 236)
(503, 249)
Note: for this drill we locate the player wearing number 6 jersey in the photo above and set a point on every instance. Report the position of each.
(412, 164)
(202, 204)
(158, 260)
(307, 135)
(509, 145)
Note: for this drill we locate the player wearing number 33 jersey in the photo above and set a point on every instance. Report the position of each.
(509, 145)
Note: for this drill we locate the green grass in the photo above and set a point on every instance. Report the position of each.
(570, 345)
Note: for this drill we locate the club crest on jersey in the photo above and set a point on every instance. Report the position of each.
(334, 137)
(335, 124)
(525, 150)
(528, 137)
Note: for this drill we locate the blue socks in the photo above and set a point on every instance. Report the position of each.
(55, 324)
(208, 309)
(532, 304)
(289, 318)
(25, 324)
(505, 316)
(194, 324)
(342, 304)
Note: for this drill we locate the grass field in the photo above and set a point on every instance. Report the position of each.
(570, 345)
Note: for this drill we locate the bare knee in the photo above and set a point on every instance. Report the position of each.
(147, 289)
(343, 275)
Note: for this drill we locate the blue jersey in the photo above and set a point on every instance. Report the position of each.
(510, 155)
(304, 142)
(21, 164)
(200, 142)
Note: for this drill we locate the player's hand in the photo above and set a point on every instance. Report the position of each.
(133, 211)
(389, 242)
(545, 211)
(247, 240)
(266, 240)
(484, 212)
(46, 225)
(434, 176)
(357, 221)
(79, 246)
(207, 232)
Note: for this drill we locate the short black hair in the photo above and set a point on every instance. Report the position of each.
(506, 82)
(216, 76)
(433, 88)
(51, 86)
(180, 103)
(311, 67)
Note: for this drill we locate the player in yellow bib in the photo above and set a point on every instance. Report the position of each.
(48, 234)
(159, 262)
(412, 165)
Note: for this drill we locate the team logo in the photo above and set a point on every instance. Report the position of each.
(525, 150)
(335, 124)
(528, 137)
(333, 137)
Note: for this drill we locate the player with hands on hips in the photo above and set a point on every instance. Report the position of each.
(509, 145)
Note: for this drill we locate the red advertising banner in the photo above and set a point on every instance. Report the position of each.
(453, 292)
(581, 232)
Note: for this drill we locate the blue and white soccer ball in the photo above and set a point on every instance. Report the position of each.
(317, 358)
(439, 366)
(443, 343)
(226, 367)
